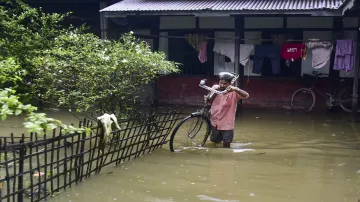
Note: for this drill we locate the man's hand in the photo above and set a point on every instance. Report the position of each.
(231, 88)
(242, 93)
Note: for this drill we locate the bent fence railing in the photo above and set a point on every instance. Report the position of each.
(39, 166)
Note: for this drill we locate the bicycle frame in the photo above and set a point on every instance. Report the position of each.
(330, 98)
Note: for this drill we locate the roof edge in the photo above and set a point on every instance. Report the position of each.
(348, 5)
(319, 12)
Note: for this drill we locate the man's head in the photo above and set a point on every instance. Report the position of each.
(225, 80)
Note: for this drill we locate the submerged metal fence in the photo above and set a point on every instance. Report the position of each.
(40, 166)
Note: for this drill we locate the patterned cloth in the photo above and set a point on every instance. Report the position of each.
(321, 52)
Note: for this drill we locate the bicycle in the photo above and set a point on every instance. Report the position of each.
(340, 97)
(196, 120)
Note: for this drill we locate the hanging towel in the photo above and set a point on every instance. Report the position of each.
(272, 52)
(107, 120)
(344, 55)
(203, 53)
(321, 52)
(245, 51)
(293, 51)
(228, 50)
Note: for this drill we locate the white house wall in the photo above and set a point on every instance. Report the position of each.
(216, 22)
(219, 63)
(350, 22)
(145, 32)
(177, 22)
(164, 43)
(253, 37)
(258, 22)
(310, 22)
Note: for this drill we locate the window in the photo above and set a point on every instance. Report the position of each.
(181, 51)
(288, 69)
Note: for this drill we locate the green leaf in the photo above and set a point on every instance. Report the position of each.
(51, 126)
(18, 111)
(3, 117)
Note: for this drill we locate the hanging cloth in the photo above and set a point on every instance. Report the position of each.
(267, 54)
(228, 50)
(107, 120)
(195, 40)
(245, 51)
(321, 51)
(203, 52)
(344, 55)
(198, 42)
(293, 51)
(225, 48)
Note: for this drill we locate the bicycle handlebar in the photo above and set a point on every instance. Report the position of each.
(202, 84)
(203, 81)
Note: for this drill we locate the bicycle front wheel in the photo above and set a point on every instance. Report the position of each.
(303, 99)
(192, 131)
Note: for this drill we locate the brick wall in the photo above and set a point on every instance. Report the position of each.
(264, 92)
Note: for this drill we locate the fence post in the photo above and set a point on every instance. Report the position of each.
(101, 148)
(81, 158)
(21, 171)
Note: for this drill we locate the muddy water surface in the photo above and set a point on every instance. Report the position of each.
(284, 157)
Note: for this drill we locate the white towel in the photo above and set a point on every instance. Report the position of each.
(107, 120)
(228, 49)
(245, 51)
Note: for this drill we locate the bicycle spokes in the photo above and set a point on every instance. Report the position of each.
(303, 100)
(195, 128)
(190, 134)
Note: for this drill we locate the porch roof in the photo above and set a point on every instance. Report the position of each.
(179, 7)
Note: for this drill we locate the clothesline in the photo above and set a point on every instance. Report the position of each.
(233, 38)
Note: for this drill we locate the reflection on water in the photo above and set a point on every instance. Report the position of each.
(283, 157)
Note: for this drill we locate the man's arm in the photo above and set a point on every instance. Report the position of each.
(207, 98)
(242, 93)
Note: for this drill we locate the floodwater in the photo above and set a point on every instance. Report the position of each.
(283, 157)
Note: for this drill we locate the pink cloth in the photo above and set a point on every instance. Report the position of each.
(344, 55)
(203, 53)
(223, 110)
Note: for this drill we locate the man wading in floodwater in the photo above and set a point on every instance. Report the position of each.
(223, 109)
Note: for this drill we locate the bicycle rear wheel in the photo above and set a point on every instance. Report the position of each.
(192, 131)
(345, 99)
(303, 99)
